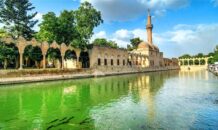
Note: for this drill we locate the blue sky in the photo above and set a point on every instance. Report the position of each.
(180, 26)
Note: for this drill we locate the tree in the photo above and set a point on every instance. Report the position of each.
(3, 33)
(134, 43)
(113, 44)
(17, 18)
(199, 55)
(66, 27)
(8, 53)
(48, 28)
(210, 54)
(100, 42)
(71, 27)
(87, 18)
(104, 42)
(185, 56)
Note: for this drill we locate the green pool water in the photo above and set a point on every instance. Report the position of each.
(162, 100)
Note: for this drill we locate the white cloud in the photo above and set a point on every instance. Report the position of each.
(122, 36)
(101, 34)
(123, 10)
(215, 2)
(190, 39)
(182, 39)
(39, 18)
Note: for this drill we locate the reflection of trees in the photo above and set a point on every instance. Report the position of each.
(44, 102)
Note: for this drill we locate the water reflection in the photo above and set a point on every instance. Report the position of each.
(140, 101)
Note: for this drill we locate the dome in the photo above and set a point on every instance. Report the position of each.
(144, 45)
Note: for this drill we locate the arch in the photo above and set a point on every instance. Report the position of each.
(202, 61)
(196, 62)
(32, 56)
(181, 62)
(70, 54)
(185, 62)
(53, 57)
(9, 56)
(70, 59)
(191, 62)
(84, 59)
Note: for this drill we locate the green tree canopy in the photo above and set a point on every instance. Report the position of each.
(3, 33)
(199, 55)
(185, 56)
(87, 18)
(71, 27)
(48, 28)
(17, 18)
(8, 53)
(104, 42)
(134, 43)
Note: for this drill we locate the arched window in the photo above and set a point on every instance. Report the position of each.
(99, 61)
(105, 62)
(124, 62)
(112, 62)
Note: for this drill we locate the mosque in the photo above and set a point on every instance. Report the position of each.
(146, 57)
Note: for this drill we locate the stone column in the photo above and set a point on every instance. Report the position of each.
(77, 61)
(206, 62)
(44, 61)
(21, 61)
(62, 62)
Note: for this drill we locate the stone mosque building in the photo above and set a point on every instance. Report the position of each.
(146, 57)
(150, 53)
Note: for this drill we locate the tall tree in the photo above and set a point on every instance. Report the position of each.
(17, 18)
(87, 18)
(71, 27)
(66, 27)
(48, 28)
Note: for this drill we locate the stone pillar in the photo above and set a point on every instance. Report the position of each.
(21, 61)
(77, 61)
(62, 62)
(44, 61)
(206, 62)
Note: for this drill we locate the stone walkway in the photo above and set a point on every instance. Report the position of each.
(42, 78)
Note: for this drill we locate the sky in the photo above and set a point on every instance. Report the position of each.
(180, 26)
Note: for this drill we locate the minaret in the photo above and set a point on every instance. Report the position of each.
(149, 28)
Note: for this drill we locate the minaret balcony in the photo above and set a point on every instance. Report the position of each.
(149, 26)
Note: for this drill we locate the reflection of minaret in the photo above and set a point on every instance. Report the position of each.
(149, 28)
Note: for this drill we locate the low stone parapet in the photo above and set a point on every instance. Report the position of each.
(25, 76)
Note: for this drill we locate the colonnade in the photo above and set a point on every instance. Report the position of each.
(189, 60)
(21, 44)
(139, 60)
